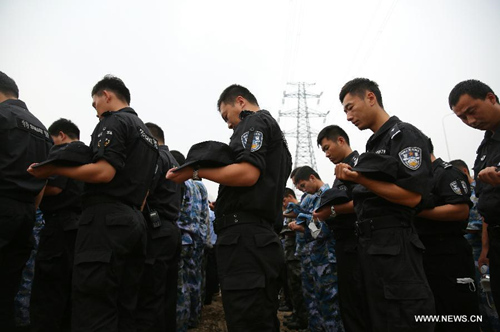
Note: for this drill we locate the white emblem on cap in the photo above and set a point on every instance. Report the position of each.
(258, 139)
(411, 157)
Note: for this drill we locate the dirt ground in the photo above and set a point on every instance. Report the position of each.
(212, 318)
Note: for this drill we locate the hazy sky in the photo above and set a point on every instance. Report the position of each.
(176, 57)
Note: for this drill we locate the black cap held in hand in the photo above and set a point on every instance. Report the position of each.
(69, 154)
(208, 154)
(377, 166)
(333, 196)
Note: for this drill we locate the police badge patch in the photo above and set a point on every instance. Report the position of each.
(456, 189)
(411, 157)
(258, 139)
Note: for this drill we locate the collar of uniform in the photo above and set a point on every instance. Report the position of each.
(385, 127)
(245, 113)
(124, 110)
(321, 190)
(15, 102)
(351, 158)
(128, 110)
(440, 163)
(495, 136)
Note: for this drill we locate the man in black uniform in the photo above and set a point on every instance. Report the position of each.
(156, 308)
(111, 243)
(50, 306)
(448, 260)
(477, 106)
(341, 219)
(249, 255)
(24, 141)
(390, 252)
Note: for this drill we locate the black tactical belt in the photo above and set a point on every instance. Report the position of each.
(365, 227)
(238, 218)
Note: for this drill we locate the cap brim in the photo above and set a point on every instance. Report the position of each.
(48, 161)
(190, 163)
(334, 201)
(203, 164)
(376, 174)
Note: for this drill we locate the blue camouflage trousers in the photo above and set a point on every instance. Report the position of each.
(315, 321)
(183, 296)
(324, 268)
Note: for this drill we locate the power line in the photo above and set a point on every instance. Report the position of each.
(303, 133)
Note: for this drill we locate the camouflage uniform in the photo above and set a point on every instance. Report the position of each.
(188, 226)
(22, 300)
(196, 272)
(320, 270)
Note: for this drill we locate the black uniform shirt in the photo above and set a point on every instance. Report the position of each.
(70, 198)
(24, 140)
(449, 186)
(123, 140)
(409, 146)
(345, 221)
(259, 141)
(166, 197)
(488, 154)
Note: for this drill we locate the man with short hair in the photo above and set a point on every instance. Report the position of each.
(390, 252)
(473, 231)
(319, 259)
(156, 306)
(477, 106)
(341, 219)
(249, 255)
(440, 226)
(111, 242)
(50, 304)
(24, 141)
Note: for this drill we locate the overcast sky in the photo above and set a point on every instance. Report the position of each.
(176, 57)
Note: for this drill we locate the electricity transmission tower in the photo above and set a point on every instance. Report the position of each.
(303, 133)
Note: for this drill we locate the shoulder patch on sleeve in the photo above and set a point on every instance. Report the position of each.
(456, 189)
(257, 140)
(465, 186)
(411, 157)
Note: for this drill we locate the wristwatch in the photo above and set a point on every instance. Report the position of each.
(334, 213)
(195, 175)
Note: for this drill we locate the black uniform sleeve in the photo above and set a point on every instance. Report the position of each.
(453, 188)
(250, 141)
(410, 148)
(111, 142)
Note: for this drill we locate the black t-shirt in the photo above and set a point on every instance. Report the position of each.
(488, 154)
(123, 140)
(449, 186)
(70, 198)
(165, 197)
(409, 146)
(25, 140)
(258, 140)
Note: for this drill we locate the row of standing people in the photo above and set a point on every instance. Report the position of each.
(107, 257)
(394, 221)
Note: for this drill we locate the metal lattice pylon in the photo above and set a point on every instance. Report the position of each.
(303, 133)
